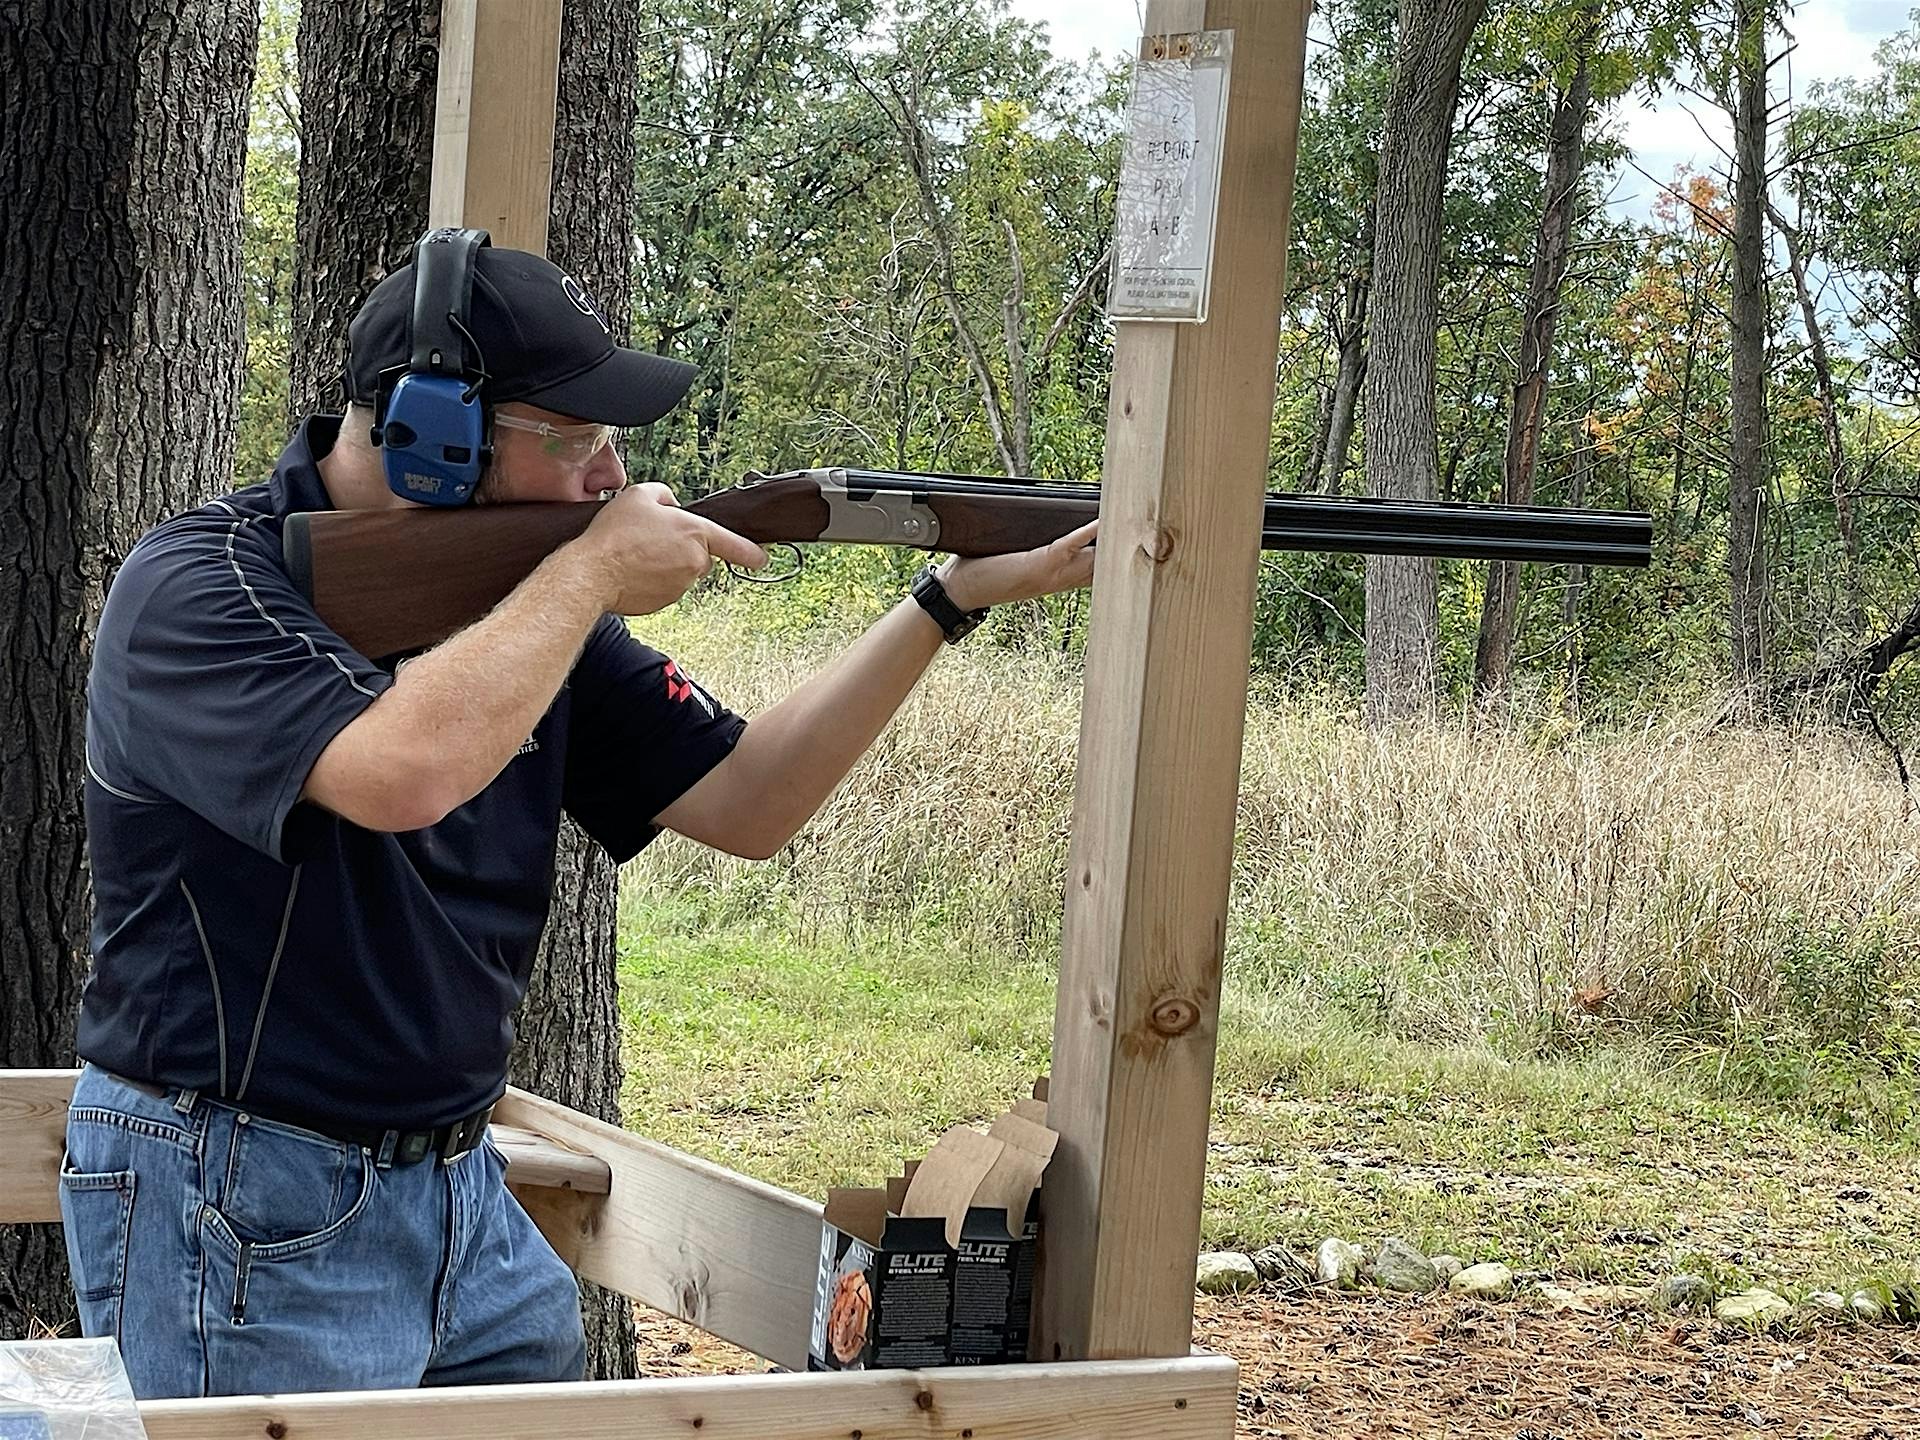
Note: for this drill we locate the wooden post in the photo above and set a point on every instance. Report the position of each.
(493, 121)
(1188, 433)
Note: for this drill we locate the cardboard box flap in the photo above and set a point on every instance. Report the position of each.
(1017, 1129)
(860, 1213)
(1034, 1110)
(954, 1169)
(1009, 1185)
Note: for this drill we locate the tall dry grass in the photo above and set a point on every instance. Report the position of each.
(1436, 882)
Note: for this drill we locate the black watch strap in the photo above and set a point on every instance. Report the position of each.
(954, 622)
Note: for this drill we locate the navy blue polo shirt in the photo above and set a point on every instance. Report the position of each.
(266, 951)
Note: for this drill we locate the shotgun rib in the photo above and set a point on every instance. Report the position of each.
(389, 581)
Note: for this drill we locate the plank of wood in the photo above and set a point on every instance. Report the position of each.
(33, 1138)
(1188, 434)
(732, 1255)
(1187, 1399)
(537, 1162)
(493, 119)
(33, 1127)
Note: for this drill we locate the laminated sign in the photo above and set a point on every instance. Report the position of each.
(1170, 178)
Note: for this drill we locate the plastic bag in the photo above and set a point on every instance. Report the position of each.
(66, 1390)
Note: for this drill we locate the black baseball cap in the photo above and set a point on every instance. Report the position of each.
(541, 339)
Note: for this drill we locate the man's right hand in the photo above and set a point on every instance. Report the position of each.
(646, 552)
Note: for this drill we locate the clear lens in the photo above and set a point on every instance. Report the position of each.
(569, 444)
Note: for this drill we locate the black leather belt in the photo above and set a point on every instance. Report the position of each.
(408, 1147)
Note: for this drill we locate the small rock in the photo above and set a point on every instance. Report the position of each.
(1857, 1193)
(1338, 1263)
(1561, 1298)
(1279, 1265)
(1400, 1267)
(1758, 1307)
(1445, 1267)
(1225, 1273)
(1486, 1280)
(1685, 1292)
(1865, 1307)
(1827, 1300)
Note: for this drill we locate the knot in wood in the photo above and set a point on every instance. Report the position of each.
(1175, 1015)
(1159, 546)
(924, 1399)
(276, 1430)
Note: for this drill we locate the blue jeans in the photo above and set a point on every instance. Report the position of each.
(231, 1255)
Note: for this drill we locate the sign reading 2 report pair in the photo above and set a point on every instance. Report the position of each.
(1170, 178)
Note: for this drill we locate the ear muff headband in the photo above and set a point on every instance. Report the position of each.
(442, 301)
(432, 429)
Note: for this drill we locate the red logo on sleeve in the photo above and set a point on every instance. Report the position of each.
(678, 689)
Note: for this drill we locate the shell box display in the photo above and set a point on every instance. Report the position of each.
(937, 1267)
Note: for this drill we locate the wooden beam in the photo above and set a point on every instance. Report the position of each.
(33, 1127)
(535, 1162)
(1188, 1399)
(734, 1256)
(493, 119)
(1188, 434)
(33, 1140)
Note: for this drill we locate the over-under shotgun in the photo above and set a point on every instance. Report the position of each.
(394, 580)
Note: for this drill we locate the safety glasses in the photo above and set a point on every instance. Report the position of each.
(569, 444)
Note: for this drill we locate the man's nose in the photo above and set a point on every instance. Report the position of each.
(606, 471)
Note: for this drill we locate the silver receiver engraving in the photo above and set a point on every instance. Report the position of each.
(875, 517)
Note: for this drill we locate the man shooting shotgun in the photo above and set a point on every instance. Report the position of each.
(366, 571)
(321, 875)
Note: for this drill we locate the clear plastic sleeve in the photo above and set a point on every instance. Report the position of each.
(66, 1390)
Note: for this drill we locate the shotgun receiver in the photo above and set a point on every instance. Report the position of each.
(394, 580)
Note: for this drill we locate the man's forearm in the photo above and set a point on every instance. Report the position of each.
(793, 755)
(456, 715)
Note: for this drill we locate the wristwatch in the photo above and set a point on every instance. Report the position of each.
(954, 622)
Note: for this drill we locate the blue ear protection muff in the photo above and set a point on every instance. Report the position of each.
(431, 427)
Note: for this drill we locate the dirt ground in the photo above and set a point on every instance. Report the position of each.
(1329, 1367)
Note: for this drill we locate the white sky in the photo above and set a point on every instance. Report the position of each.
(1836, 39)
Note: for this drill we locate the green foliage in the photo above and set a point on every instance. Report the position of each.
(267, 249)
(832, 196)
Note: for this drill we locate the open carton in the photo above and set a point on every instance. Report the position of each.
(936, 1267)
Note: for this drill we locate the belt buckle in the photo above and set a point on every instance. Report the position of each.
(464, 1135)
(413, 1146)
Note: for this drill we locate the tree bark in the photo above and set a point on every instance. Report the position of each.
(368, 70)
(567, 1045)
(1402, 604)
(1747, 479)
(1576, 574)
(1829, 417)
(122, 137)
(1346, 385)
(1527, 420)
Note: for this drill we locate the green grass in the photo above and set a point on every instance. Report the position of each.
(813, 1059)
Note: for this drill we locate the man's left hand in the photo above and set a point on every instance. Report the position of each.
(1066, 564)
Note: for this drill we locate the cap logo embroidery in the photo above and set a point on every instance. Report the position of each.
(583, 302)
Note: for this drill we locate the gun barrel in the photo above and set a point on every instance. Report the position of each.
(1444, 529)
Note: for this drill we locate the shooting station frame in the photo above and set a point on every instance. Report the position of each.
(1146, 893)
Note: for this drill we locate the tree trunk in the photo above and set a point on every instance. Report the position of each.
(568, 1042)
(1527, 421)
(1746, 552)
(1402, 605)
(1576, 574)
(1346, 385)
(368, 70)
(1829, 418)
(122, 136)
